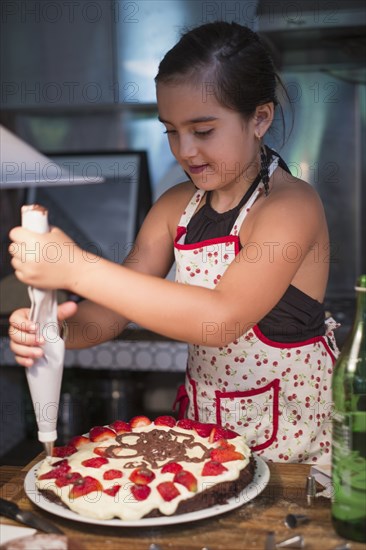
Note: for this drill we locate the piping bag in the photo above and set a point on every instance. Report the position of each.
(45, 375)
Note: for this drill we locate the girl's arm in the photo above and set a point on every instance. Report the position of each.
(152, 254)
(246, 292)
(95, 322)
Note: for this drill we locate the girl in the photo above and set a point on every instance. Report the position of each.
(248, 296)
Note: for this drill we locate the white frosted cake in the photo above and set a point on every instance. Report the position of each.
(143, 468)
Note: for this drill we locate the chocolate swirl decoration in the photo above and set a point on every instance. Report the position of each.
(155, 448)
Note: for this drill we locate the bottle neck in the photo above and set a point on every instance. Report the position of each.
(360, 316)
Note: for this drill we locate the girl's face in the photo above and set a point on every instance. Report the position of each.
(214, 144)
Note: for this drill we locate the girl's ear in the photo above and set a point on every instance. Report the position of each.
(263, 118)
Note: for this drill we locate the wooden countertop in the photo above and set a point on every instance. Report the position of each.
(242, 529)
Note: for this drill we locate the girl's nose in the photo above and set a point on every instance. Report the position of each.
(187, 148)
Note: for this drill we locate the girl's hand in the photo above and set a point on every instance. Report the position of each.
(46, 260)
(24, 342)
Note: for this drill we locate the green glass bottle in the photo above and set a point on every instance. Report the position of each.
(349, 429)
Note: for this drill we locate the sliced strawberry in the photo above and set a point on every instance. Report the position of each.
(224, 444)
(142, 476)
(218, 433)
(140, 492)
(57, 472)
(66, 450)
(139, 421)
(186, 424)
(78, 441)
(60, 462)
(112, 474)
(172, 468)
(168, 490)
(213, 469)
(120, 427)
(95, 462)
(101, 433)
(84, 486)
(169, 421)
(187, 479)
(112, 491)
(225, 455)
(100, 451)
(202, 429)
(68, 479)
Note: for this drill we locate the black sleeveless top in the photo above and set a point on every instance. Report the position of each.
(297, 316)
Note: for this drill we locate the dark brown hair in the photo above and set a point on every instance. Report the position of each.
(230, 60)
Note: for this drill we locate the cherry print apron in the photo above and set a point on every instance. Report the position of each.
(276, 394)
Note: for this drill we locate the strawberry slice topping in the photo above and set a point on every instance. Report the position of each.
(140, 492)
(100, 451)
(121, 427)
(84, 486)
(142, 476)
(78, 441)
(224, 444)
(95, 462)
(226, 454)
(187, 479)
(101, 433)
(169, 421)
(112, 491)
(112, 474)
(186, 424)
(168, 490)
(218, 433)
(62, 462)
(68, 479)
(172, 468)
(66, 450)
(213, 469)
(57, 472)
(202, 429)
(139, 421)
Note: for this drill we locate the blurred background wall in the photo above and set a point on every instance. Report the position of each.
(78, 76)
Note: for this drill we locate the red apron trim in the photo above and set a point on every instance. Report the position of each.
(275, 386)
(180, 232)
(285, 345)
(327, 347)
(209, 242)
(182, 400)
(276, 391)
(194, 392)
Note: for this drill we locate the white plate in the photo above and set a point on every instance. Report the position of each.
(259, 482)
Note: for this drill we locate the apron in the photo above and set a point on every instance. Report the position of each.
(278, 395)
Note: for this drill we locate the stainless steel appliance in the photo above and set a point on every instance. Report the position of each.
(320, 48)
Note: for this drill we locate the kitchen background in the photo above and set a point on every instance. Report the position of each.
(77, 78)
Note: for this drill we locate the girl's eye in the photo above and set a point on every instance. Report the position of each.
(197, 133)
(204, 133)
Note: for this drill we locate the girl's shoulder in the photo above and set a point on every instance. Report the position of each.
(177, 197)
(172, 203)
(179, 191)
(292, 204)
(290, 191)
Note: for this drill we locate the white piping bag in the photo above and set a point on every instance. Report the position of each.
(45, 376)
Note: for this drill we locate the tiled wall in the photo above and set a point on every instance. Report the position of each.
(120, 355)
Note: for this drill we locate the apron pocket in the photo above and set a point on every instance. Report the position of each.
(254, 413)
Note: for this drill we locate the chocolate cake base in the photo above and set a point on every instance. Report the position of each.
(218, 494)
